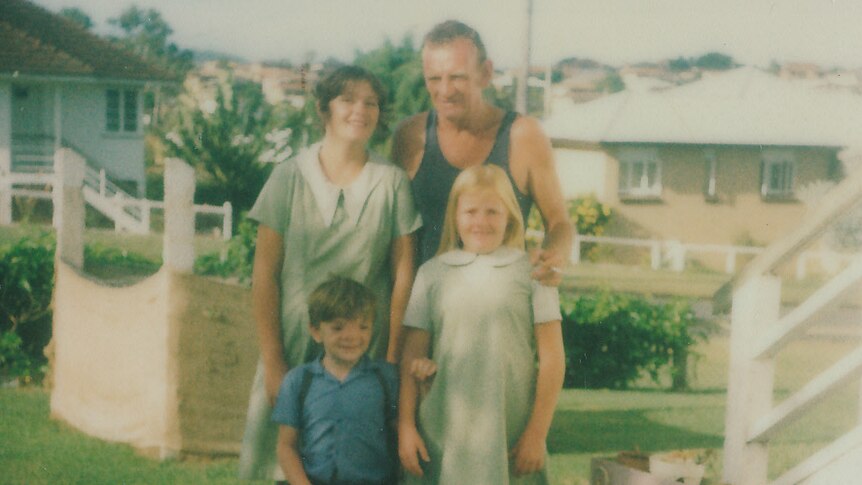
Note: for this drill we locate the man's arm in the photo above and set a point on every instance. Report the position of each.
(532, 158)
(408, 143)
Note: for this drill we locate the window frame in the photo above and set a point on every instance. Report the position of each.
(710, 190)
(786, 162)
(646, 158)
(122, 111)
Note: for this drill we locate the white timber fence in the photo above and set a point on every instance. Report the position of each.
(34, 179)
(759, 332)
(674, 254)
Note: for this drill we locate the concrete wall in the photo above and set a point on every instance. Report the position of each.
(736, 215)
(110, 362)
(164, 365)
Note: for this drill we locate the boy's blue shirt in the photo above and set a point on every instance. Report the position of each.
(342, 426)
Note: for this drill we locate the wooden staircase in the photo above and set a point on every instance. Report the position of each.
(758, 334)
(32, 174)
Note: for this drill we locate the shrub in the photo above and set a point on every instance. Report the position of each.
(613, 339)
(14, 362)
(111, 262)
(587, 215)
(26, 285)
(238, 259)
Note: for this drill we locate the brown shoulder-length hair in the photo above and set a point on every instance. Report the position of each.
(340, 80)
(483, 177)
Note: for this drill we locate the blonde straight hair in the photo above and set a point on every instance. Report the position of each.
(476, 178)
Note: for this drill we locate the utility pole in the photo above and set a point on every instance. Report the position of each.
(524, 74)
(547, 90)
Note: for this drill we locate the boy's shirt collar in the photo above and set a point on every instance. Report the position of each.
(364, 365)
(502, 256)
(326, 193)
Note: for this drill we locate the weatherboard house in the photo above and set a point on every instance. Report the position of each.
(64, 87)
(728, 159)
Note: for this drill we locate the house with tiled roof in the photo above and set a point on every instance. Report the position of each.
(62, 86)
(723, 160)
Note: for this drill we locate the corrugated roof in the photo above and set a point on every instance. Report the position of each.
(745, 106)
(34, 41)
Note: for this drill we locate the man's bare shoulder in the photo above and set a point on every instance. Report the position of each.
(408, 142)
(529, 129)
(529, 143)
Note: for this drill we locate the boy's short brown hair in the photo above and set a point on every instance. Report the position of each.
(340, 297)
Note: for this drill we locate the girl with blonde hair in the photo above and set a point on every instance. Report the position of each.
(497, 361)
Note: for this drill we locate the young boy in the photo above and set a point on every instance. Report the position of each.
(336, 414)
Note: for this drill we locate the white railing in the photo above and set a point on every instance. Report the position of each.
(225, 211)
(98, 181)
(33, 172)
(32, 154)
(654, 246)
(675, 255)
(759, 332)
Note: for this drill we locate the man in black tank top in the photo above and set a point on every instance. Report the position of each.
(464, 130)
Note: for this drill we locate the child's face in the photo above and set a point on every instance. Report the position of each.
(481, 219)
(344, 340)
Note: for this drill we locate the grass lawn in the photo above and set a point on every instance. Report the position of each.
(146, 245)
(35, 449)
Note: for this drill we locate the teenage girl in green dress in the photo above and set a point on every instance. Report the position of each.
(334, 209)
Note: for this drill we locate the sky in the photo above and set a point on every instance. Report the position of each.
(615, 32)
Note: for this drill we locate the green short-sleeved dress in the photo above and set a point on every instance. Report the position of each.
(480, 311)
(327, 231)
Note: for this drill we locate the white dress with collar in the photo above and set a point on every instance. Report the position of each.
(480, 311)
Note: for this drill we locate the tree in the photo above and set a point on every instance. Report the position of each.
(146, 33)
(231, 140)
(715, 61)
(78, 16)
(680, 64)
(224, 139)
(399, 68)
(612, 83)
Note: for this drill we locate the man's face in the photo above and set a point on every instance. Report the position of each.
(454, 77)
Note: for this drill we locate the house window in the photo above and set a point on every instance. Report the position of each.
(777, 175)
(640, 174)
(710, 190)
(121, 110)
